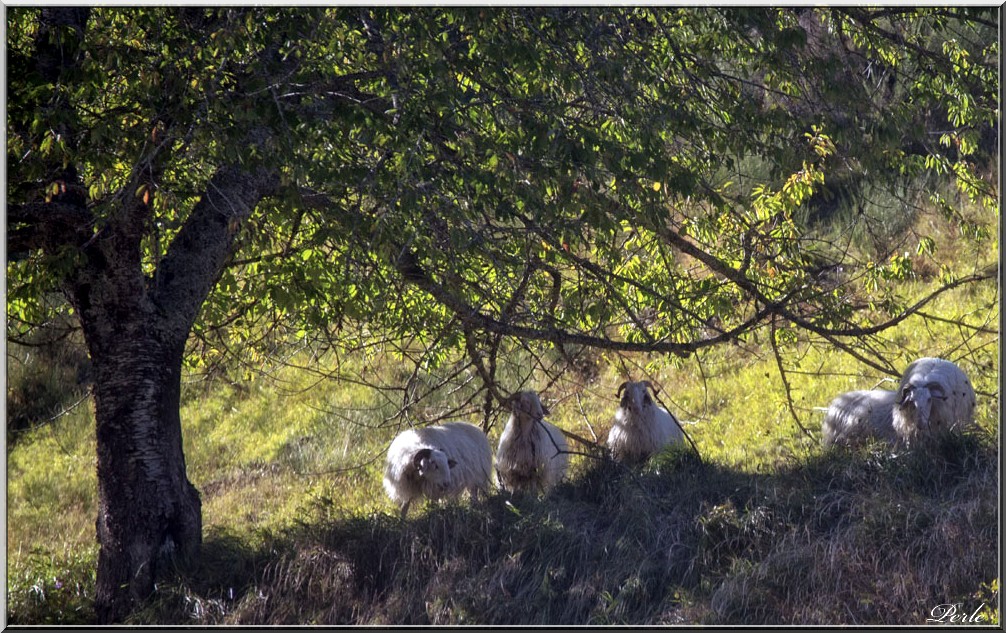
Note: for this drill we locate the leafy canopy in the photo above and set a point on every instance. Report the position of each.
(466, 178)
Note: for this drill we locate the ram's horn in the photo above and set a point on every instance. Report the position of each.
(420, 455)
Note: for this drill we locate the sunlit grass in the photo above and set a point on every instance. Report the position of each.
(261, 456)
(51, 473)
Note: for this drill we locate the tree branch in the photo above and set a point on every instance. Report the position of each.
(197, 255)
(46, 225)
(785, 381)
(53, 53)
(874, 329)
(475, 319)
(866, 19)
(56, 222)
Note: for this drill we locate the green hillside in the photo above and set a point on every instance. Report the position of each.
(766, 528)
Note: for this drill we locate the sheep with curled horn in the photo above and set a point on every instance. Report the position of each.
(533, 454)
(934, 396)
(641, 428)
(438, 462)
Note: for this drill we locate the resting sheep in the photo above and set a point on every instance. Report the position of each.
(641, 427)
(437, 462)
(532, 454)
(856, 416)
(934, 395)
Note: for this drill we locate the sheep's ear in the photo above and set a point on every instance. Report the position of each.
(451, 463)
(420, 455)
(544, 410)
(621, 388)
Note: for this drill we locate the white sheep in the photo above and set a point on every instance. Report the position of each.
(532, 455)
(855, 416)
(437, 462)
(641, 427)
(934, 395)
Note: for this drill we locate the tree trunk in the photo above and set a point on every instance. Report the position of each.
(136, 325)
(149, 513)
(136, 328)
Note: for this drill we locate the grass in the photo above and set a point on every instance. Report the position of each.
(51, 371)
(768, 529)
(676, 542)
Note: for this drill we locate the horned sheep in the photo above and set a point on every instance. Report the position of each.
(532, 453)
(437, 462)
(641, 427)
(934, 395)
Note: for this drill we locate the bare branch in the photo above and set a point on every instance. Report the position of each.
(958, 323)
(785, 381)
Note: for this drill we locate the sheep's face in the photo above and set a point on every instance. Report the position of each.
(434, 468)
(526, 406)
(636, 397)
(920, 398)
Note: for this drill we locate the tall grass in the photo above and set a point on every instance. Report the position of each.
(865, 537)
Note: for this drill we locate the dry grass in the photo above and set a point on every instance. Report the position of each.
(863, 537)
(868, 538)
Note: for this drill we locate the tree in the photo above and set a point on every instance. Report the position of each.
(628, 179)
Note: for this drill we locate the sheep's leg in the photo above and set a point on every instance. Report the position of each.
(405, 508)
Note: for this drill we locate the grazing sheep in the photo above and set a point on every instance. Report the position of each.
(532, 454)
(934, 395)
(853, 417)
(641, 427)
(436, 462)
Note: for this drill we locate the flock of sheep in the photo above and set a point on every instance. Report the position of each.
(532, 456)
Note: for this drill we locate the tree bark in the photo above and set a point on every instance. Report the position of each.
(136, 327)
(149, 513)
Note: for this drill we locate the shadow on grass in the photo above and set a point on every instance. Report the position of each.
(848, 537)
(44, 379)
